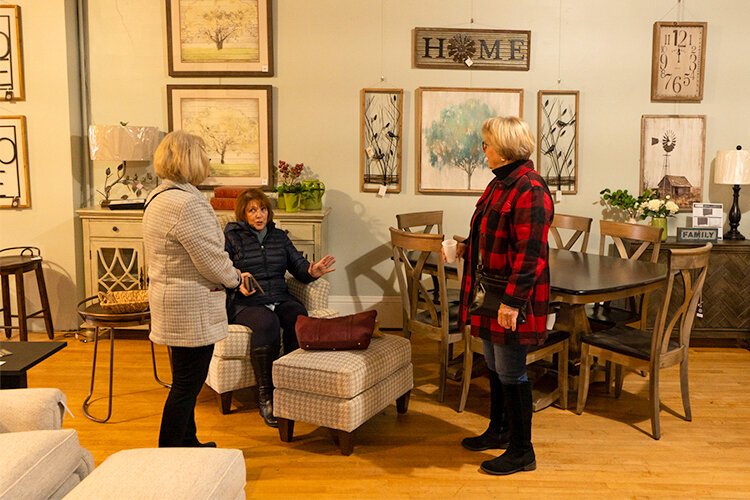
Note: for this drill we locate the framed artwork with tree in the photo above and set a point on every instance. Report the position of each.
(557, 139)
(673, 149)
(235, 122)
(381, 126)
(219, 38)
(449, 122)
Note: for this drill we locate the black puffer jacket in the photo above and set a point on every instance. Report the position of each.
(267, 262)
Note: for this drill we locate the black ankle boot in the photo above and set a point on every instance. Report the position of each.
(520, 453)
(262, 359)
(497, 435)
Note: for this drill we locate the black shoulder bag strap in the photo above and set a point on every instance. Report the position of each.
(154, 197)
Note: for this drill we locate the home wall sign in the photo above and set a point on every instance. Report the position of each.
(451, 48)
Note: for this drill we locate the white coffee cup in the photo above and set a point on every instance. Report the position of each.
(449, 247)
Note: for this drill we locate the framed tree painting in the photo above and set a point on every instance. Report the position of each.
(381, 124)
(235, 122)
(11, 61)
(557, 139)
(449, 136)
(219, 38)
(672, 155)
(15, 191)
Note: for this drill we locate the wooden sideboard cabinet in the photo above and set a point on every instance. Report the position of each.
(114, 253)
(726, 293)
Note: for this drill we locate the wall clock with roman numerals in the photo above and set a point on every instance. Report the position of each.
(678, 61)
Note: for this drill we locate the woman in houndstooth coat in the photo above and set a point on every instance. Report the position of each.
(188, 271)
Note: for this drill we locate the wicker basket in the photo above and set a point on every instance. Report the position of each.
(129, 301)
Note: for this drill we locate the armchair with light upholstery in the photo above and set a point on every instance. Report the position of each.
(230, 367)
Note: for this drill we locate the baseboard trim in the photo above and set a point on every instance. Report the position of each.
(389, 308)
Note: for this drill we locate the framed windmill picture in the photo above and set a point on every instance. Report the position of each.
(672, 155)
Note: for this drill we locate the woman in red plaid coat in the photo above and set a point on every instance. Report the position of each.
(508, 237)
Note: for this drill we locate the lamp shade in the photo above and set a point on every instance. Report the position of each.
(118, 142)
(732, 167)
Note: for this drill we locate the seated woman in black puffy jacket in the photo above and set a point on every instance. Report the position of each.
(257, 246)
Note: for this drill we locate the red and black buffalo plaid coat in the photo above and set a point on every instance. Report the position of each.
(512, 216)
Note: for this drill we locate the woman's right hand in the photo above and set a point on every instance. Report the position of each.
(460, 250)
(244, 281)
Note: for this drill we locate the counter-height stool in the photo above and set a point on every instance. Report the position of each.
(16, 261)
(91, 311)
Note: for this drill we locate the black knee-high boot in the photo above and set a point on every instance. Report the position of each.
(497, 435)
(520, 453)
(262, 359)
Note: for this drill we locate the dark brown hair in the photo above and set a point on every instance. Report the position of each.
(244, 199)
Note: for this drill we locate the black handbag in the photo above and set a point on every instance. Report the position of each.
(487, 294)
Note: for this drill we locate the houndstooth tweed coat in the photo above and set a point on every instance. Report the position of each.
(188, 267)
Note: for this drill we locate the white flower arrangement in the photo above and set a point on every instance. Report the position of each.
(658, 208)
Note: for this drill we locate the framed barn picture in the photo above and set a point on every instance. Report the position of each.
(450, 159)
(381, 127)
(672, 154)
(557, 139)
(235, 122)
(219, 38)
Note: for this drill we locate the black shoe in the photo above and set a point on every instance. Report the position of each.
(262, 359)
(488, 440)
(265, 408)
(510, 463)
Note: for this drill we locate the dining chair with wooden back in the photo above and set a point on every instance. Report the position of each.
(424, 222)
(425, 312)
(631, 241)
(581, 227)
(651, 351)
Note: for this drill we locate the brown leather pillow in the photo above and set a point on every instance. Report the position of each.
(346, 332)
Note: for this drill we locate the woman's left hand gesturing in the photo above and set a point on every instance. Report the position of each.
(323, 266)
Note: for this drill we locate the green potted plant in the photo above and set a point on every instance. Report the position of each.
(622, 201)
(312, 194)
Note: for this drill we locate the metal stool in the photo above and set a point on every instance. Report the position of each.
(28, 259)
(95, 315)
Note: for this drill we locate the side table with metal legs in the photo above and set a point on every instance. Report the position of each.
(101, 319)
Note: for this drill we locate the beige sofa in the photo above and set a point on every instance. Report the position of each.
(40, 460)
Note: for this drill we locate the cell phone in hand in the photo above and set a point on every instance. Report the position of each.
(251, 284)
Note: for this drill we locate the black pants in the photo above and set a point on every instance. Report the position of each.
(267, 325)
(189, 371)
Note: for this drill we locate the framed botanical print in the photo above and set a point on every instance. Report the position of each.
(15, 191)
(219, 38)
(449, 122)
(380, 126)
(11, 60)
(235, 122)
(678, 61)
(557, 139)
(672, 155)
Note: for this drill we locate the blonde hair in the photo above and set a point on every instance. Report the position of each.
(509, 136)
(181, 157)
(246, 197)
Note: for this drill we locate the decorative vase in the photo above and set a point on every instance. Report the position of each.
(291, 200)
(662, 223)
(312, 200)
(280, 205)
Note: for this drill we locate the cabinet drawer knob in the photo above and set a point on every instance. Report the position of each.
(115, 229)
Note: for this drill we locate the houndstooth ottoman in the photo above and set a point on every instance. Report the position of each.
(341, 390)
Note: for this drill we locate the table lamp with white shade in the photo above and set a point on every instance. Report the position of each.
(733, 167)
(120, 143)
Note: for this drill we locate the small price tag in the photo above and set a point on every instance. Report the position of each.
(382, 191)
(468, 62)
(558, 196)
(264, 68)
(699, 309)
(370, 151)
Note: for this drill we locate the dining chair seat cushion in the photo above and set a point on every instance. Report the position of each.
(625, 340)
(611, 315)
(553, 337)
(424, 317)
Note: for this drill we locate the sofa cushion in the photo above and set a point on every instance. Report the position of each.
(35, 464)
(31, 409)
(342, 374)
(158, 473)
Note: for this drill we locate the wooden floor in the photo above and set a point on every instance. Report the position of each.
(604, 452)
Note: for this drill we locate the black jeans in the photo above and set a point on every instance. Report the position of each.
(189, 371)
(268, 325)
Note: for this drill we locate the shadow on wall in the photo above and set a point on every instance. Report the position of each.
(371, 257)
(61, 291)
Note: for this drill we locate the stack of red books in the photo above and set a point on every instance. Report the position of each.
(226, 196)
